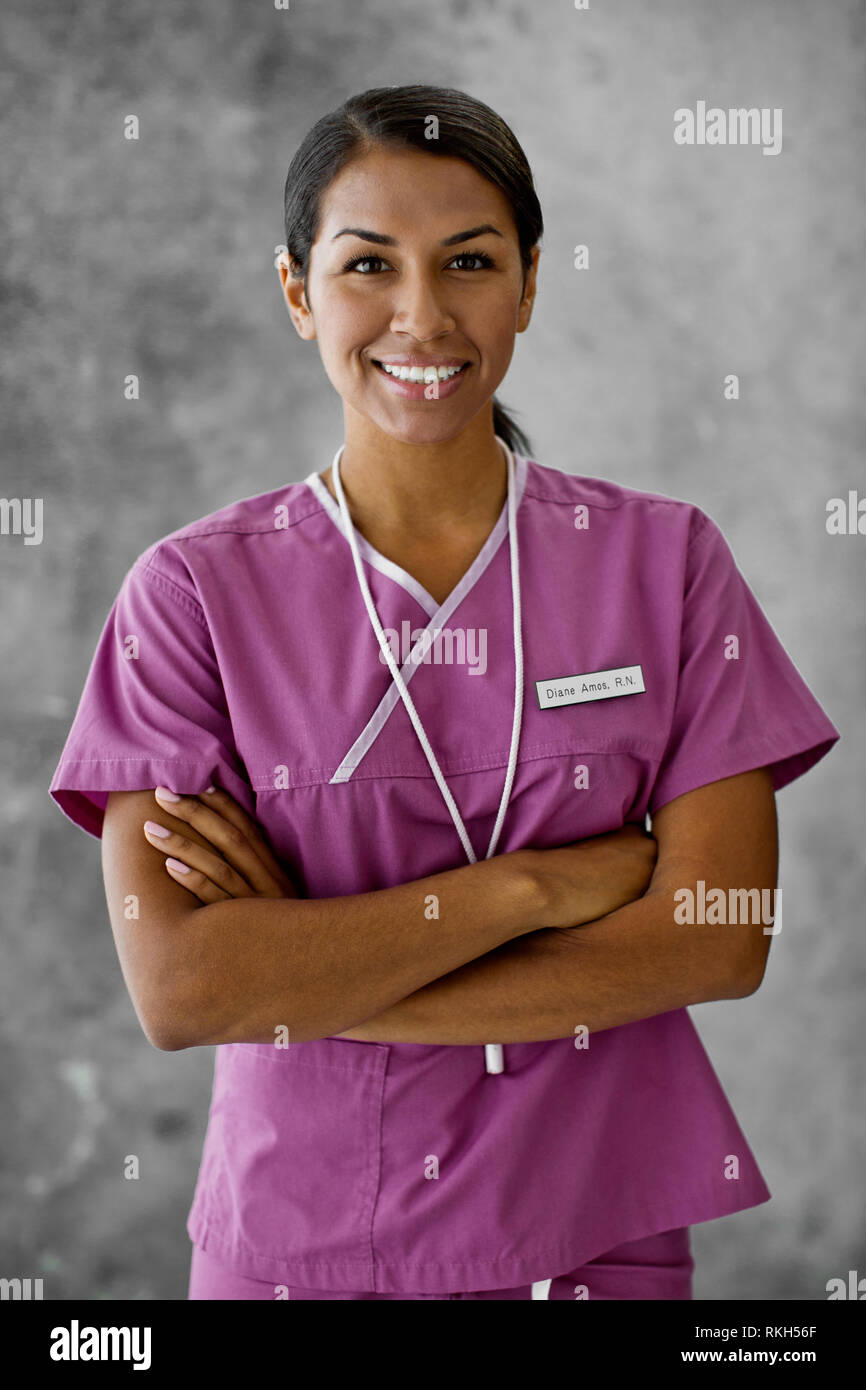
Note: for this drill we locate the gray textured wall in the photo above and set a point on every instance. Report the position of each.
(156, 257)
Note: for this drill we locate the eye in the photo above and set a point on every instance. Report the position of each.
(483, 262)
(482, 256)
(363, 260)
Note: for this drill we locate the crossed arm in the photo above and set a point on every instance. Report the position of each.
(490, 969)
(631, 964)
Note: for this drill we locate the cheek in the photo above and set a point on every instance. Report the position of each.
(345, 324)
(352, 318)
(497, 331)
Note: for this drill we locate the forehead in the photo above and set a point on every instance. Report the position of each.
(397, 191)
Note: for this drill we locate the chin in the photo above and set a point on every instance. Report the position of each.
(422, 431)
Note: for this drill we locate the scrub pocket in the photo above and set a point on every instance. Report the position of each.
(291, 1162)
(591, 788)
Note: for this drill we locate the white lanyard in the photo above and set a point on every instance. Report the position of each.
(493, 1055)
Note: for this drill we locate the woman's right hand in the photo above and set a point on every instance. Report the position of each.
(590, 878)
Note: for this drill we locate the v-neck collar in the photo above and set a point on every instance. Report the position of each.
(402, 577)
(438, 614)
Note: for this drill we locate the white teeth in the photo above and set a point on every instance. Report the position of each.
(430, 373)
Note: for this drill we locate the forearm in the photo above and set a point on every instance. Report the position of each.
(242, 969)
(631, 964)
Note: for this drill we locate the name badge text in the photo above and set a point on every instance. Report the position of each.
(592, 685)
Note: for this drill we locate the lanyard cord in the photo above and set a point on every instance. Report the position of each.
(493, 1051)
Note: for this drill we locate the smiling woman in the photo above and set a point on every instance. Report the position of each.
(386, 877)
(463, 272)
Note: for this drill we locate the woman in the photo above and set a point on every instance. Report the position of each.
(438, 688)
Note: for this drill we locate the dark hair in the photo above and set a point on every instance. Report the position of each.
(398, 117)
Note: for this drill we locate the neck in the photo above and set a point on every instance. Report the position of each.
(422, 488)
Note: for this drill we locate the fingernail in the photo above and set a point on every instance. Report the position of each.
(209, 789)
(153, 829)
(165, 795)
(176, 864)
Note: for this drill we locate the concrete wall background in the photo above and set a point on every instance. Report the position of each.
(157, 257)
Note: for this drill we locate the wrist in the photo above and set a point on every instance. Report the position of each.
(533, 890)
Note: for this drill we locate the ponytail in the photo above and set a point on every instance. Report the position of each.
(507, 429)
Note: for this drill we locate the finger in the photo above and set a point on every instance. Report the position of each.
(228, 838)
(197, 857)
(225, 835)
(197, 883)
(231, 810)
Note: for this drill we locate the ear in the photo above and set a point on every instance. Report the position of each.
(292, 291)
(524, 312)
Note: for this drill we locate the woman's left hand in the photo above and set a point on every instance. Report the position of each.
(238, 863)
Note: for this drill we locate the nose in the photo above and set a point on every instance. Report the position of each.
(419, 309)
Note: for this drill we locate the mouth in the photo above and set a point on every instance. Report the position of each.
(421, 375)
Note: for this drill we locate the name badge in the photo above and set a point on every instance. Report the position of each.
(592, 685)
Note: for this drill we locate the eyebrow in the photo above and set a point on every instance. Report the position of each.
(380, 240)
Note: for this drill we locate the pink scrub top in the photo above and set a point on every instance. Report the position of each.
(385, 1167)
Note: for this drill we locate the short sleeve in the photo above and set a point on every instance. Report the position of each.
(153, 711)
(740, 701)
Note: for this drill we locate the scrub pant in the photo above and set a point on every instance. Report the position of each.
(656, 1267)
